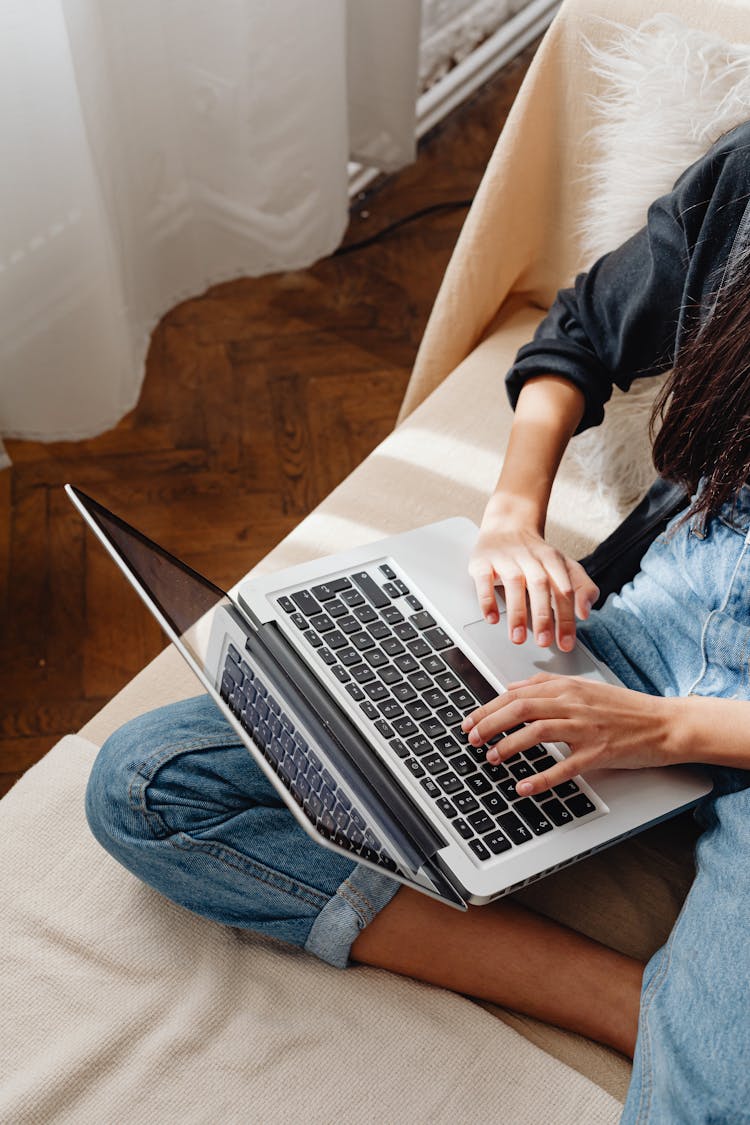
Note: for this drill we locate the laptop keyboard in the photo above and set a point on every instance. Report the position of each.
(413, 685)
(295, 762)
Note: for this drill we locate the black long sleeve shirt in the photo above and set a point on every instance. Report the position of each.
(624, 319)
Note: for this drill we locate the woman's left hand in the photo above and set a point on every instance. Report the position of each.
(604, 726)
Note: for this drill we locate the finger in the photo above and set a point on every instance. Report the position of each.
(525, 722)
(585, 592)
(484, 581)
(563, 603)
(538, 586)
(555, 775)
(514, 589)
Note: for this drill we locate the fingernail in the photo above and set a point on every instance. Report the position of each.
(474, 736)
(518, 634)
(544, 638)
(493, 757)
(524, 788)
(493, 618)
(567, 643)
(468, 723)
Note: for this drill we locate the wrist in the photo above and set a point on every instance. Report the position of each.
(515, 510)
(676, 735)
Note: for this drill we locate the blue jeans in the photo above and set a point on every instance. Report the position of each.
(178, 801)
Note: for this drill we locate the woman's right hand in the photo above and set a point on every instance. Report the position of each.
(511, 552)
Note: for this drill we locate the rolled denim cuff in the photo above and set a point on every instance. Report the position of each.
(357, 900)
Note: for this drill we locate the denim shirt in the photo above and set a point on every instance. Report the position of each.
(625, 318)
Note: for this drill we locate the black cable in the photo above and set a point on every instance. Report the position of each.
(453, 205)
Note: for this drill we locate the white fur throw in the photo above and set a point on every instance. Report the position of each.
(667, 92)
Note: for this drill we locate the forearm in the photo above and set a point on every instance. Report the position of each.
(547, 413)
(711, 731)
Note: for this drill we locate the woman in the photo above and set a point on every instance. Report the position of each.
(179, 802)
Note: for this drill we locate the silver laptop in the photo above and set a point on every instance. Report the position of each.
(347, 678)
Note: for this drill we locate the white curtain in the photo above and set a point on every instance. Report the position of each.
(150, 148)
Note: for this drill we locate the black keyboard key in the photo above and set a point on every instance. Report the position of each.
(365, 614)
(479, 784)
(370, 589)
(362, 641)
(391, 590)
(418, 709)
(352, 598)
(430, 787)
(534, 752)
(376, 658)
(392, 615)
(556, 812)
(286, 603)
(349, 656)
(380, 631)
(336, 639)
(480, 822)
(413, 601)
(422, 620)
(300, 620)
(448, 682)
(480, 851)
(362, 674)
(399, 748)
(358, 820)
(446, 808)
(514, 828)
(533, 815)
(377, 691)
(404, 631)
(433, 664)
(439, 639)
(450, 784)
(405, 726)
(389, 674)
(465, 802)
(463, 829)
(382, 726)
(414, 767)
(370, 710)
(348, 624)
(463, 765)
(404, 692)
(393, 646)
(580, 805)
(387, 570)
(434, 763)
(434, 697)
(432, 728)
(420, 680)
(315, 640)
(419, 745)
(327, 797)
(497, 842)
(324, 592)
(355, 692)
(315, 805)
(447, 746)
(406, 663)
(419, 647)
(327, 656)
(493, 802)
(521, 769)
(391, 709)
(477, 754)
(304, 600)
(566, 789)
(449, 715)
(508, 789)
(336, 608)
(402, 588)
(459, 663)
(463, 701)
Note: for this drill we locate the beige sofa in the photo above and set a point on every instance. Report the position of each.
(119, 1006)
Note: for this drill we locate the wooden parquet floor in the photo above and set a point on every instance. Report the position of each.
(260, 396)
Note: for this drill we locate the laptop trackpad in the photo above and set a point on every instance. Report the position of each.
(512, 662)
